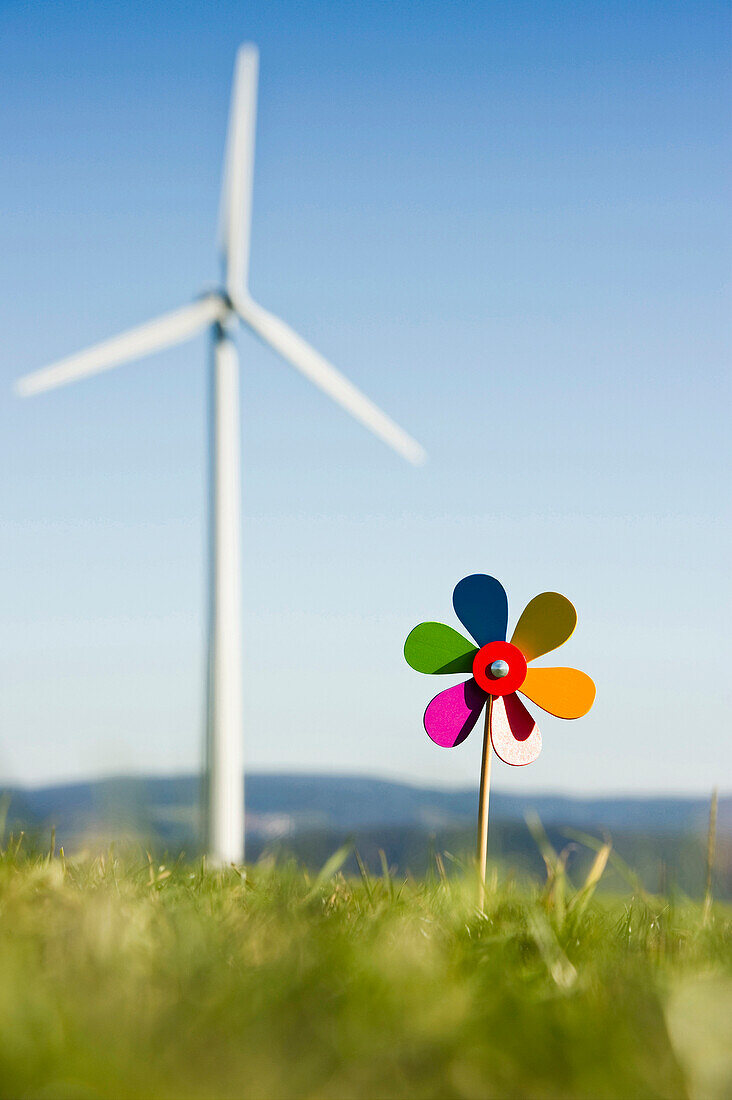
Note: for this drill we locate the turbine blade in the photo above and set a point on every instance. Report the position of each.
(172, 328)
(235, 213)
(310, 363)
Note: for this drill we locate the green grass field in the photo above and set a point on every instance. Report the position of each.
(120, 977)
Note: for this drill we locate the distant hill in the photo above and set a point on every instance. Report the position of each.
(310, 815)
(355, 802)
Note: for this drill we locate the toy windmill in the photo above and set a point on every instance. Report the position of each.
(499, 670)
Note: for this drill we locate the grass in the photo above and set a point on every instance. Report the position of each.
(121, 977)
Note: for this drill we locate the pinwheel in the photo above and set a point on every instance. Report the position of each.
(499, 670)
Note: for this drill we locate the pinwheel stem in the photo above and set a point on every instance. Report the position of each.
(485, 790)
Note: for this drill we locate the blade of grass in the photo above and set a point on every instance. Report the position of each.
(364, 876)
(556, 867)
(4, 807)
(582, 898)
(616, 862)
(386, 875)
(331, 867)
(711, 844)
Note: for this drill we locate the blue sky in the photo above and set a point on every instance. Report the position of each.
(510, 224)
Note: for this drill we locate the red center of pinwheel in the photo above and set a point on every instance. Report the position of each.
(496, 680)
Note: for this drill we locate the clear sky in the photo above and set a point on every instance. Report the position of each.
(510, 224)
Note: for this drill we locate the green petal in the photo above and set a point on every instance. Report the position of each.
(434, 647)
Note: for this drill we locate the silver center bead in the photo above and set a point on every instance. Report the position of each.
(499, 669)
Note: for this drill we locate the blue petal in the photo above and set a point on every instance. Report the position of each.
(481, 605)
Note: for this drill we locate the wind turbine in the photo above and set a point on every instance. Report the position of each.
(220, 311)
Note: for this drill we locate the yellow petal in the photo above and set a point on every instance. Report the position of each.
(547, 621)
(564, 692)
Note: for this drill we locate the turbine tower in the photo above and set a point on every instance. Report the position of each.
(220, 311)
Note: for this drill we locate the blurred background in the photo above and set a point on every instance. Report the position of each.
(509, 224)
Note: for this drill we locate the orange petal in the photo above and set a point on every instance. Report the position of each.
(546, 623)
(565, 692)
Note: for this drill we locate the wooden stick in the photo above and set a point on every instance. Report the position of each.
(485, 790)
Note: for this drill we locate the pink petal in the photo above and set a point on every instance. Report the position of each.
(514, 732)
(451, 715)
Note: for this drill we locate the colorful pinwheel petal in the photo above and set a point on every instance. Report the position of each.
(499, 668)
(451, 715)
